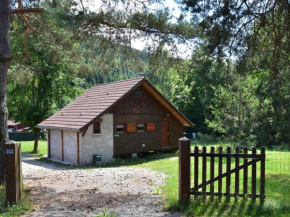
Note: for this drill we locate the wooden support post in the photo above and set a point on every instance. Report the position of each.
(48, 144)
(12, 172)
(78, 148)
(262, 186)
(20, 171)
(184, 169)
(62, 151)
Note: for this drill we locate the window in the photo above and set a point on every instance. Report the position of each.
(97, 128)
(120, 128)
(141, 127)
(131, 128)
(150, 127)
(138, 93)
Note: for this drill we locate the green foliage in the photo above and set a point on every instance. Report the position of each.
(110, 31)
(236, 108)
(248, 98)
(162, 71)
(105, 77)
(206, 137)
(106, 213)
(45, 79)
(14, 210)
(243, 98)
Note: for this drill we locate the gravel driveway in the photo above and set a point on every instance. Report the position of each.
(58, 191)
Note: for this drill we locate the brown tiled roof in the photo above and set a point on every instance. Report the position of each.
(90, 105)
(98, 100)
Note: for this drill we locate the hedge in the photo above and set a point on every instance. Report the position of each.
(27, 136)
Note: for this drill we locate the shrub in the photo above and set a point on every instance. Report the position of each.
(206, 137)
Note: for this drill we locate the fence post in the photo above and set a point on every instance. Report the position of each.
(12, 172)
(20, 171)
(254, 174)
(245, 188)
(262, 186)
(184, 169)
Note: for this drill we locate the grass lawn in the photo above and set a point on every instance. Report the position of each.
(277, 201)
(27, 146)
(14, 210)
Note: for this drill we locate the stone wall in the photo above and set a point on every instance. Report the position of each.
(98, 144)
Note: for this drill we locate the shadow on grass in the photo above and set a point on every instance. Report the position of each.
(144, 158)
(239, 207)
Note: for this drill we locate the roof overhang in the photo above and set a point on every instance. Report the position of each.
(57, 128)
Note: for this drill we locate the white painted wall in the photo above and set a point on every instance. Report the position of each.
(55, 144)
(98, 144)
(70, 147)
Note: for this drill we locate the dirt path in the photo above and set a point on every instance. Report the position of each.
(58, 191)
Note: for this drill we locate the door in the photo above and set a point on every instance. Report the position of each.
(165, 133)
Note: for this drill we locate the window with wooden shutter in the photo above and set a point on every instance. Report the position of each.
(131, 128)
(97, 127)
(150, 127)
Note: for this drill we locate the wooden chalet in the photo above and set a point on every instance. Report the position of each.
(113, 119)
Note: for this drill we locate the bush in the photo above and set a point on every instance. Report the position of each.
(284, 147)
(207, 137)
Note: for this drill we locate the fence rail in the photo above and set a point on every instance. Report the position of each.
(242, 161)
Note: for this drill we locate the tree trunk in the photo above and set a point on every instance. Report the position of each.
(36, 137)
(4, 63)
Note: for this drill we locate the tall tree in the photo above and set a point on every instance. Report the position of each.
(45, 81)
(5, 59)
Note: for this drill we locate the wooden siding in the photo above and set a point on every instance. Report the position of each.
(146, 110)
